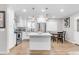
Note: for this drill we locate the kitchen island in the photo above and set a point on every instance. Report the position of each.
(40, 41)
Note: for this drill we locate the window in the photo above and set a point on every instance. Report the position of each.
(51, 26)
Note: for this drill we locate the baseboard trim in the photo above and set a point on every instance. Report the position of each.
(4, 52)
(73, 42)
(12, 47)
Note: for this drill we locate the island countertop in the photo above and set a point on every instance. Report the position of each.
(39, 34)
(40, 41)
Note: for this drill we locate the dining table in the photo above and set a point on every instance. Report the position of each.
(55, 36)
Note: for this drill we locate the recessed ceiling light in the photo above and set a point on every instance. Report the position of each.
(61, 10)
(43, 10)
(24, 10)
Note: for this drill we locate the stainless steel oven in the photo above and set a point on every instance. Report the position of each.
(18, 38)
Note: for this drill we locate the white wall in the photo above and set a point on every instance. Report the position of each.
(7, 36)
(3, 41)
(59, 25)
(3, 37)
(71, 33)
(51, 26)
(76, 34)
(10, 24)
(20, 22)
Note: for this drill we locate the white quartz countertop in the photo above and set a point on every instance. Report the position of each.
(39, 34)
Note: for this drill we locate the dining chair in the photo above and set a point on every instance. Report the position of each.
(61, 36)
(64, 35)
(55, 37)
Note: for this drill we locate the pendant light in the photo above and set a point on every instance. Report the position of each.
(46, 17)
(33, 17)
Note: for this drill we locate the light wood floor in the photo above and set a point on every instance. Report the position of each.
(56, 49)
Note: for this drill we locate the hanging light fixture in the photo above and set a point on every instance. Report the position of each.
(43, 17)
(46, 17)
(33, 17)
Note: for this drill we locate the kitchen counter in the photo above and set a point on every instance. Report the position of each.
(40, 41)
(39, 34)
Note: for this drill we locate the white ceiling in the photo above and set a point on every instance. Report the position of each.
(3, 7)
(53, 9)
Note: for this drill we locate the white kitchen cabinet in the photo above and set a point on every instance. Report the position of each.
(40, 41)
(24, 36)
